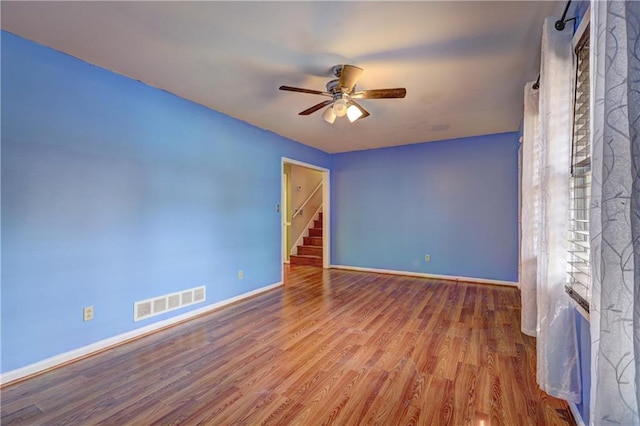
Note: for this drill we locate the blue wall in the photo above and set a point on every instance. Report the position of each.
(579, 9)
(455, 200)
(113, 192)
(584, 349)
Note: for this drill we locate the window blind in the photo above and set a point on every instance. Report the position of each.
(579, 276)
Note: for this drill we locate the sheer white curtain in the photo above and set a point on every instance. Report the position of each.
(558, 370)
(546, 307)
(531, 215)
(615, 212)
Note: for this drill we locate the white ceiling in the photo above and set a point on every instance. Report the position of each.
(464, 64)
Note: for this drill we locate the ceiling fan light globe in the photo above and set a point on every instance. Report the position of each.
(329, 116)
(340, 107)
(353, 113)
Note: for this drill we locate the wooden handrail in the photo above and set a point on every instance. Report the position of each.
(299, 209)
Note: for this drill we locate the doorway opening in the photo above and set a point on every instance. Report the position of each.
(305, 214)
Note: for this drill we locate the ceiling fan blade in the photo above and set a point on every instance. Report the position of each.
(349, 76)
(399, 92)
(365, 113)
(300, 90)
(315, 108)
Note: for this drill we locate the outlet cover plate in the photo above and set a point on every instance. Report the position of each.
(87, 313)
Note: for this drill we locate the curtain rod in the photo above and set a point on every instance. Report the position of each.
(536, 85)
(560, 22)
(559, 25)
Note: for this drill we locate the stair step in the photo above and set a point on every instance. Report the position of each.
(320, 215)
(310, 250)
(317, 224)
(312, 241)
(305, 260)
(315, 232)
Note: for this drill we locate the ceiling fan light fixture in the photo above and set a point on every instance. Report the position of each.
(353, 113)
(340, 107)
(329, 116)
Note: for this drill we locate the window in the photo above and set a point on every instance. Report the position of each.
(579, 277)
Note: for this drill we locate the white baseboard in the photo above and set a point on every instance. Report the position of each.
(423, 275)
(576, 414)
(102, 345)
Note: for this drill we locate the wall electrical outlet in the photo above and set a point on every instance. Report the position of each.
(240, 274)
(427, 258)
(87, 313)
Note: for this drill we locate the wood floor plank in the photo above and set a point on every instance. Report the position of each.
(330, 347)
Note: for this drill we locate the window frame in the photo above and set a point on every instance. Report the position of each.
(580, 39)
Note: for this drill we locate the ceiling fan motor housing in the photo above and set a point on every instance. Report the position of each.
(333, 86)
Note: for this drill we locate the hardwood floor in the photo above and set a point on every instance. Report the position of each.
(330, 347)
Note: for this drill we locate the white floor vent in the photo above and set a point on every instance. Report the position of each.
(158, 305)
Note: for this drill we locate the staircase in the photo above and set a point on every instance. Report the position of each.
(310, 252)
